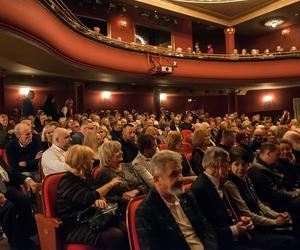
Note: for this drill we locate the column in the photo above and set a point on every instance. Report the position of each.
(229, 40)
(156, 102)
(79, 97)
(2, 95)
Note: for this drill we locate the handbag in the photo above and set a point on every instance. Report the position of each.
(99, 218)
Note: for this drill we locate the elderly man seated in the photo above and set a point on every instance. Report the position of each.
(24, 152)
(168, 218)
(53, 159)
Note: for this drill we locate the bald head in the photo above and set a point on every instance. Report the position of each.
(61, 138)
(293, 138)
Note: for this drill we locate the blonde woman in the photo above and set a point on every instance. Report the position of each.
(47, 134)
(91, 140)
(130, 186)
(200, 141)
(175, 143)
(74, 195)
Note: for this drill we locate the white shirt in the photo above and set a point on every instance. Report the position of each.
(184, 225)
(53, 160)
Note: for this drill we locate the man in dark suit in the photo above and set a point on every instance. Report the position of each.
(231, 234)
(168, 218)
(268, 184)
(129, 147)
(16, 216)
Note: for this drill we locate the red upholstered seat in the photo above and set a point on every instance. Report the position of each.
(95, 172)
(4, 157)
(186, 134)
(130, 220)
(162, 146)
(187, 147)
(1, 152)
(48, 224)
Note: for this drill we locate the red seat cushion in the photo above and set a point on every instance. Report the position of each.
(162, 146)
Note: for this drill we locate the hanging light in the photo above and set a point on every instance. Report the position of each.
(274, 22)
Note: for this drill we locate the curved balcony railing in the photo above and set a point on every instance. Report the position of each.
(65, 14)
(50, 25)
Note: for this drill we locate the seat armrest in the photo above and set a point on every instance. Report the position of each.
(48, 230)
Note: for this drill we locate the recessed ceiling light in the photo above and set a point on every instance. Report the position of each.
(274, 22)
(209, 1)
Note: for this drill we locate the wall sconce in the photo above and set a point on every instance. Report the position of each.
(285, 32)
(267, 99)
(106, 95)
(163, 97)
(24, 91)
(123, 23)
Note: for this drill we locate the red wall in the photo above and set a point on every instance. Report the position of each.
(182, 35)
(272, 40)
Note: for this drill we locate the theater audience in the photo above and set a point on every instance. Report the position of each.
(129, 186)
(243, 140)
(50, 107)
(78, 137)
(241, 191)
(141, 163)
(294, 139)
(168, 218)
(5, 130)
(287, 166)
(176, 124)
(227, 140)
(74, 195)
(200, 142)
(47, 134)
(116, 133)
(27, 106)
(24, 152)
(129, 147)
(268, 184)
(53, 159)
(231, 233)
(175, 143)
(16, 216)
(258, 137)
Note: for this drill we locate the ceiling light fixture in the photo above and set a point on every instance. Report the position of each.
(209, 1)
(274, 22)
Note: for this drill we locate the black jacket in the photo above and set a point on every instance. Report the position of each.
(268, 184)
(157, 228)
(213, 208)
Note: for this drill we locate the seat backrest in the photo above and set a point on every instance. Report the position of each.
(130, 221)
(187, 147)
(162, 146)
(49, 188)
(186, 134)
(95, 172)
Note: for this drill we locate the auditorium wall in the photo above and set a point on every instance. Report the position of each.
(271, 40)
(215, 105)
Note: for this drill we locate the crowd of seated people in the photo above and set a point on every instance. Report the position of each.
(141, 153)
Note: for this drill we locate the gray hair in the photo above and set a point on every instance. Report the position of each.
(107, 151)
(160, 160)
(18, 129)
(212, 157)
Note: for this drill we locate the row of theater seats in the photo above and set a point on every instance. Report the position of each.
(49, 225)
